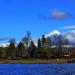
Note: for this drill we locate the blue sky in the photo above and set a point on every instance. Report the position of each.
(19, 16)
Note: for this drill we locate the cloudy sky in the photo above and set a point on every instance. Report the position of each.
(37, 16)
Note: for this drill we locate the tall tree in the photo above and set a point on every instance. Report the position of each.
(26, 39)
(59, 45)
(40, 49)
(48, 42)
(32, 49)
(43, 41)
(1, 53)
(11, 50)
(20, 49)
(39, 44)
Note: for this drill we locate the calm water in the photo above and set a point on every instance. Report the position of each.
(37, 69)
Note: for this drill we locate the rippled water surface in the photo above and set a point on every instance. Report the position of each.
(37, 69)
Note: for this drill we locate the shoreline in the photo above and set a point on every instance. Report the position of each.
(36, 61)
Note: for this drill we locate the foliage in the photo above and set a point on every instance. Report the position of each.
(44, 48)
(32, 49)
(20, 49)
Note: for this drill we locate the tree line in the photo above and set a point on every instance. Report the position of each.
(46, 48)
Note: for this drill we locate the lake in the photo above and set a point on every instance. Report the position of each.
(37, 69)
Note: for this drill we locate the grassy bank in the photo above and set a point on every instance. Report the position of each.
(34, 61)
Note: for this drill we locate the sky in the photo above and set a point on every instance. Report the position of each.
(19, 16)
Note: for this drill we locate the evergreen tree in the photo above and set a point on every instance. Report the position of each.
(11, 50)
(39, 44)
(32, 49)
(43, 41)
(59, 46)
(48, 42)
(20, 49)
(1, 53)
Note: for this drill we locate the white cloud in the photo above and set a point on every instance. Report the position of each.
(57, 14)
(69, 27)
(61, 14)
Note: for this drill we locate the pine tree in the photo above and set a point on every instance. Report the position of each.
(43, 41)
(11, 50)
(39, 44)
(20, 49)
(32, 49)
(48, 42)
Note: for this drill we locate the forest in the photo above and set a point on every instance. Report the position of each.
(45, 48)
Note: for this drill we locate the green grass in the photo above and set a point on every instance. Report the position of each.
(35, 61)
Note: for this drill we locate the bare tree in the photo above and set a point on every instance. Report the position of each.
(26, 39)
(12, 40)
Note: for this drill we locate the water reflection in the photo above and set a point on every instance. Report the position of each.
(37, 69)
